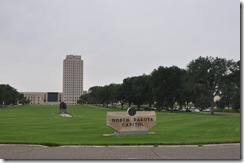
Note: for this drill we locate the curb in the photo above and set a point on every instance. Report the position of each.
(120, 146)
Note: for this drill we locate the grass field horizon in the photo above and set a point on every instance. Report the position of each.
(41, 124)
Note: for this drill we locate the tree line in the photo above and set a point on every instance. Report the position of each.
(202, 80)
(10, 96)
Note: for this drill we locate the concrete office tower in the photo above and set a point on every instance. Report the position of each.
(72, 78)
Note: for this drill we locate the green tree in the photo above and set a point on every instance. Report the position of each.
(167, 85)
(230, 87)
(120, 95)
(148, 89)
(185, 95)
(127, 90)
(139, 90)
(104, 94)
(2, 94)
(235, 76)
(206, 75)
(158, 82)
(23, 100)
(96, 95)
(111, 94)
(83, 99)
(8, 95)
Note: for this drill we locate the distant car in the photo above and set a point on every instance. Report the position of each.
(183, 110)
(153, 108)
(193, 110)
(159, 109)
(207, 110)
(169, 109)
(196, 110)
(188, 110)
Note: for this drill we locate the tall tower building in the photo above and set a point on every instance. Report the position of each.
(72, 78)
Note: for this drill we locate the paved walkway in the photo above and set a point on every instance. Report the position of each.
(205, 152)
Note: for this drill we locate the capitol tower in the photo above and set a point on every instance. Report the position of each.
(72, 78)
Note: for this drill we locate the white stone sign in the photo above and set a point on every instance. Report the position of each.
(139, 123)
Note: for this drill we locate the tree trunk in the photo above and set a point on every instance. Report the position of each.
(150, 105)
(138, 106)
(129, 104)
(172, 107)
(122, 105)
(212, 106)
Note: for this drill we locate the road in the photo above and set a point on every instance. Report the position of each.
(181, 152)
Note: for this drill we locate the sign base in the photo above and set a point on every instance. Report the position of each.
(130, 132)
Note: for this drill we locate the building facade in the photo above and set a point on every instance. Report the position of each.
(42, 98)
(72, 78)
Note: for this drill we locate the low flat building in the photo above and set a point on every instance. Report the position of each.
(41, 98)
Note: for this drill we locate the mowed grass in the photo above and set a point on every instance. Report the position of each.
(43, 125)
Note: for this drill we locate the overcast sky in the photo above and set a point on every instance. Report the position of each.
(116, 38)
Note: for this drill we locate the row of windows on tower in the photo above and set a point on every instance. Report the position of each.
(76, 89)
(70, 61)
(73, 82)
(72, 95)
(75, 75)
(73, 66)
(72, 89)
(72, 72)
(72, 85)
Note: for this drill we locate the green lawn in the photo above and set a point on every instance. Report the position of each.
(43, 125)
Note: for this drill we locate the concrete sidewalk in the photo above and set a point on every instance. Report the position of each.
(181, 152)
